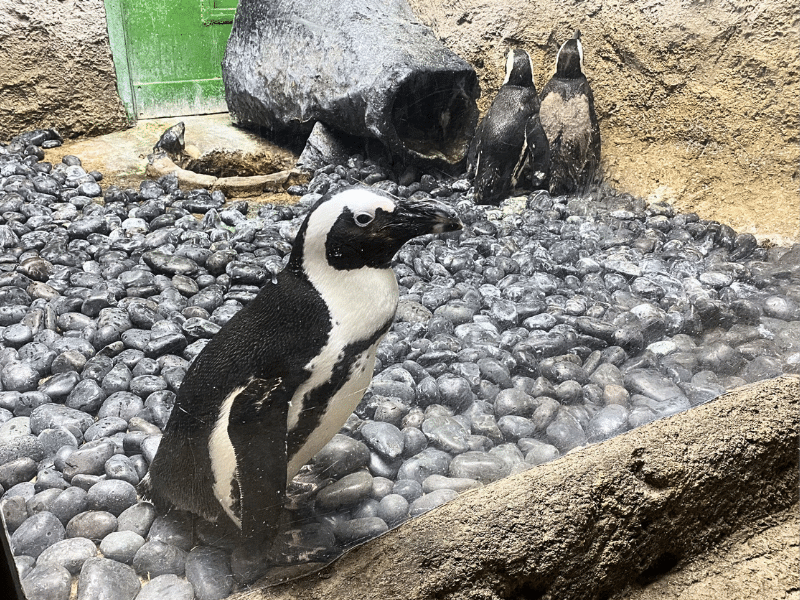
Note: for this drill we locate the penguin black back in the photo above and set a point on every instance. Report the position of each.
(499, 157)
(280, 378)
(570, 123)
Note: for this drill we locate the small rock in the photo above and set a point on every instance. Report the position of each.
(105, 578)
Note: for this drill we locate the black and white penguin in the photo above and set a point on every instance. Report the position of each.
(509, 150)
(568, 117)
(281, 377)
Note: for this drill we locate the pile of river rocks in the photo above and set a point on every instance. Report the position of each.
(546, 324)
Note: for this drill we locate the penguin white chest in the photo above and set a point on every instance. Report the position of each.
(361, 302)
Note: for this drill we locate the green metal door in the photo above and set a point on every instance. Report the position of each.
(167, 54)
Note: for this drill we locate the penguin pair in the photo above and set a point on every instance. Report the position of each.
(527, 141)
(282, 376)
(568, 117)
(509, 150)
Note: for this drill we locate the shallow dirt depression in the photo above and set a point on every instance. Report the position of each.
(697, 102)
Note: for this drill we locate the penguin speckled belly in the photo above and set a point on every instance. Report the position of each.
(509, 149)
(568, 117)
(281, 377)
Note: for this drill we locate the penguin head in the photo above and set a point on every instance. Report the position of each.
(519, 69)
(569, 61)
(357, 227)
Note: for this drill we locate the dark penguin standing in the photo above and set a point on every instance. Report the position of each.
(281, 377)
(509, 149)
(568, 117)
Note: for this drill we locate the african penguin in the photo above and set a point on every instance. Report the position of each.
(279, 380)
(569, 121)
(509, 150)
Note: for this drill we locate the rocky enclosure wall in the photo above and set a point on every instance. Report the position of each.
(56, 69)
(697, 101)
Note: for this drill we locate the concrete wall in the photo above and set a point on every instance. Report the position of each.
(56, 69)
(697, 101)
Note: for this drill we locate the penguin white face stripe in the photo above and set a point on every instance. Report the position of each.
(580, 53)
(510, 66)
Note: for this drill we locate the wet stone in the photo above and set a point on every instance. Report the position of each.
(90, 459)
(430, 501)
(514, 427)
(174, 528)
(38, 532)
(513, 402)
(446, 433)
(72, 501)
(121, 546)
(615, 394)
(94, 525)
(111, 495)
(454, 392)
(144, 385)
(105, 427)
(53, 439)
(19, 377)
(138, 518)
(48, 416)
(410, 489)
(70, 553)
(393, 509)
(169, 264)
(156, 558)
(440, 482)
(124, 405)
(348, 491)
(19, 447)
(105, 578)
(117, 379)
(651, 384)
(166, 586)
(610, 421)
(120, 467)
(478, 465)
(209, 572)
(47, 582)
(565, 432)
(428, 462)
(537, 452)
(14, 510)
(86, 396)
(340, 456)
(384, 438)
(59, 386)
(149, 447)
(355, 530)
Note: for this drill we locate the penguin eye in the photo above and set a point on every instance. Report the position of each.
(363, 219)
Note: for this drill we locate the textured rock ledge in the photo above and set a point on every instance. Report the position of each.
(587, 524)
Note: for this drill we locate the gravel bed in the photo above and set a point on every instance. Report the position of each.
(545, 325)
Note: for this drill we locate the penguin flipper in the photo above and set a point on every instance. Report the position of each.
(261, 459)
(539, 151)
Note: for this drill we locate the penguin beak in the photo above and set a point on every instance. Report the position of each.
(411, 219)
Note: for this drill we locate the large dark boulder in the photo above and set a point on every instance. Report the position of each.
(364, 67)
